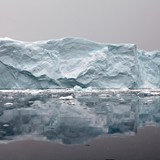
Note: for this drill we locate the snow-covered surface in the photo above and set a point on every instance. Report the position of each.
(70, 62)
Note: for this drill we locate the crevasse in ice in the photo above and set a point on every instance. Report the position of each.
(71, 62)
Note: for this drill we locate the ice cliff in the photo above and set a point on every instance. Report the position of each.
(70, 62)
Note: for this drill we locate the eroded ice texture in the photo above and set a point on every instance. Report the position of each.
(71, 62)
(46, 115)
(149, 69)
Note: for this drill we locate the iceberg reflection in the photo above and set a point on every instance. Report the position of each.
(76, 119)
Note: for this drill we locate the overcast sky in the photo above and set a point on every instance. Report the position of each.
(110, 21)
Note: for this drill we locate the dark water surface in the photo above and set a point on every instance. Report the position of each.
(96, 125)
(145, 145)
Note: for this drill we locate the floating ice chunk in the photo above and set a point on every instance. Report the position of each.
(8, 104)
(78, 88)
(121, 100)
(6, 125)
(88, 89)
(67, 98)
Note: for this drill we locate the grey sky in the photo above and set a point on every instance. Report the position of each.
(110, 21)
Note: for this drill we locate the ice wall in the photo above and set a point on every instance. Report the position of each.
(70, 62)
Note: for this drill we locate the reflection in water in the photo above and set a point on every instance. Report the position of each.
(74, 118)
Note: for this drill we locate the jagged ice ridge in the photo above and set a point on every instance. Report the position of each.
(70, 62)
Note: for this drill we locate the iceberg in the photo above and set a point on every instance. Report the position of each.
(149, 63)
(71, 61)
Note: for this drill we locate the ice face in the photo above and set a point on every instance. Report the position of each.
(149, 65)
(71, 62)
(66, 63)
(46, 115)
